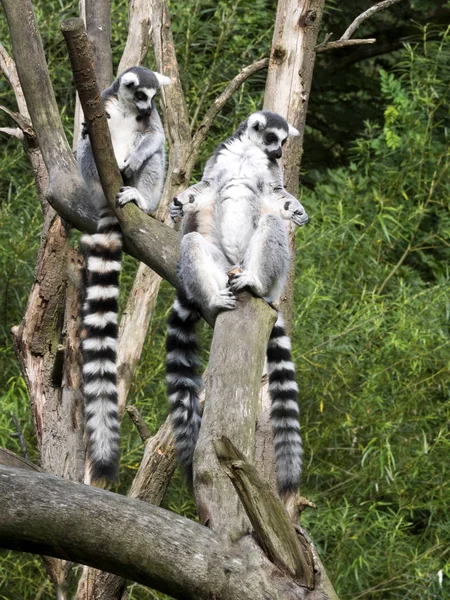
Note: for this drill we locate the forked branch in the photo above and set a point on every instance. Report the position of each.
(345, 40)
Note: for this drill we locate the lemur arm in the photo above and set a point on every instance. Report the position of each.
(194, 198)
(280, 202)
(150, 143)
(191, 200)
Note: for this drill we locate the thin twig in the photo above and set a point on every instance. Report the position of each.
(343, 44)
(222, 99)
(345, 40)
(365, 15)
(138, 420)
(19, 435)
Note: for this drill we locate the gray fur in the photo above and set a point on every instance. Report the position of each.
(138, 141)
(139, 145)
(234, 238)
(243, 196)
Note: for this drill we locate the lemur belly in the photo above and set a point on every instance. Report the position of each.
(121, 127)
(237, 223)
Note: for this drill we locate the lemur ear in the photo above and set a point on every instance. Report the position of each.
(129, 80)
(256, 121)
(293, 131)
(162, 79)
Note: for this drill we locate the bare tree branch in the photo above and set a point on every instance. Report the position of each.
(343, 44)
(366, 15)
(27, 48)
(345, 40)
(239, 371)
(13, 132)
(139, 30)
(133, 539)
(8, 66)
(141, 425)
(98, 27)
(270, 521)
(10, 459)
(133, 328)
(231, 88)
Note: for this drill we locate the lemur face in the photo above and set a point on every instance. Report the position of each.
(269, 131)
(138, 86)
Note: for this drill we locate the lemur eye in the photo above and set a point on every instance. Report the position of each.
(271, 138)
(140, 96)
(284, 141)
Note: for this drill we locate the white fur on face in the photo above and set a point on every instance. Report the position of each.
(129, 78)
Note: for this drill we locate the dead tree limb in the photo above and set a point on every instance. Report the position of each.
(231, 407)
(267, 515)
(133, 539)
(98, 27)
(139, 30)
(366, 15)
(345, 40)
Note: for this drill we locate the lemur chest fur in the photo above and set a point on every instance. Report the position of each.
(239, 204)
(124, 128)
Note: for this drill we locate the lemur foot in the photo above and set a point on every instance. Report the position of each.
(223, 300)
(246, 279)
(131, 194)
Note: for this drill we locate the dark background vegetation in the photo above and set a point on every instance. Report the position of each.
(372, 289)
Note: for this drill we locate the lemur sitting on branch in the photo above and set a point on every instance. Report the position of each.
(138, 141)
(233, 224)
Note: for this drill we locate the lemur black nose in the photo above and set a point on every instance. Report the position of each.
(145, 112)
(278, 153)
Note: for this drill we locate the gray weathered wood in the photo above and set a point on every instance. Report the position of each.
(133, 539)
(231, 407)
(267, 514)
(98, 27)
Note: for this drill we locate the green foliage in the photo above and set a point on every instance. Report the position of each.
(371, 325)
(371, 342)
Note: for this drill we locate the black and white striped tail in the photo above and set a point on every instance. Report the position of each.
(103, 252)
(183, 382)
(283, 392)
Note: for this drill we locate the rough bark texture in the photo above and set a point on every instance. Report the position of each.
(267, 515)
(231, 407)
(98, 27)
(134, 539)
(139, 29)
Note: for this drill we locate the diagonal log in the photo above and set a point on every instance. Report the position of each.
(267, 514)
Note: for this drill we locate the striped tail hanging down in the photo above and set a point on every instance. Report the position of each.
(103, 252)
(283, 392)
(183, 382)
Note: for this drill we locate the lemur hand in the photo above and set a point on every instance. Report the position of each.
(182, 204)
(295, 212)
(131, 166)
(176, 210)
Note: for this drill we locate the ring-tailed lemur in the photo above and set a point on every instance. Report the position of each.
(233, 222)
(138, 140)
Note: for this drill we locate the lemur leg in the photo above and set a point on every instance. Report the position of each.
(266, 262)
(203, 270)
